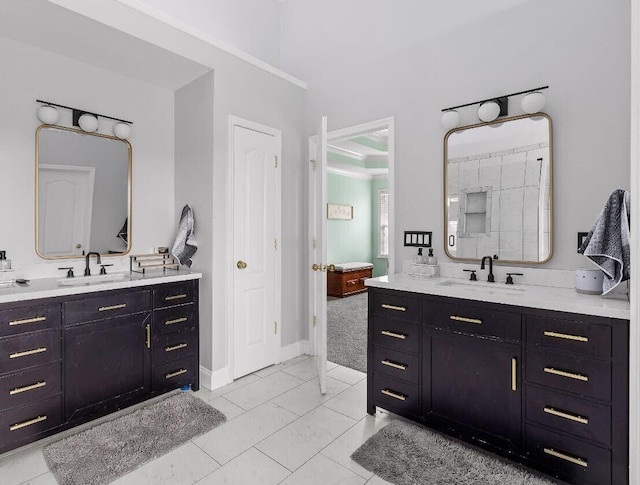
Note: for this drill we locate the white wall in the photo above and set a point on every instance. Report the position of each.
(357, 72)
(250, 25)
(29, 74)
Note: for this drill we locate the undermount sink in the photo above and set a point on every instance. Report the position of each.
(487, 287)
(92, 280)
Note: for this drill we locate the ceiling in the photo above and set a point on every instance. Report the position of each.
(42, 24)
(363, 154)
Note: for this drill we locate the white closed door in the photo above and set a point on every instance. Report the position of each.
(65, 196)
(255, 246)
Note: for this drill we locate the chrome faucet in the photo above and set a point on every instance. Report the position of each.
(490, 278)
(87, 271)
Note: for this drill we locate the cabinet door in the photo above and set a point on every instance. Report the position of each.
(476, 382)
(106, 362)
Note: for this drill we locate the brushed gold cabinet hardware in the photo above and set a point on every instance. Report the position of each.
(566, 336)
(176, 373)
(19, 390)
(570, 375)
(176, 320)
(394, 395)
(394, 365)
(27, 320)
(393, 334)
(24, 424)
(465, 319)
(393, 307)
(175, 297)
(565, 457)
(175, 347)
(148, 335)
(39, 350)
(562, 414)
(112, 307)
(241, 265)
(514, 374)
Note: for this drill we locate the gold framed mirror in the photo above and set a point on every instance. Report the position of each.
(82, 193)
(498, 190)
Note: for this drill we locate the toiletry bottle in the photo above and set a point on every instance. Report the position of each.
(419, 258)
(5, 263)
(431, 259)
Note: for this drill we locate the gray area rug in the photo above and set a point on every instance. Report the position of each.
(347, 331)
(100, 455)
(405, 453)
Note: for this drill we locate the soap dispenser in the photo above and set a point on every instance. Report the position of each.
(5, 264)
(431, 259)
(419, 258)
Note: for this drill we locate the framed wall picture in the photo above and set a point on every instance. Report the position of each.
(337, 211)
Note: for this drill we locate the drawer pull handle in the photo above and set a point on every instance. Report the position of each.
(566, 336)
(514, 374)
(352, 282)
(465, 319)
(569, 458)
(148, 328)
(27, 320)
(18, 390)
(176, 320)
(562, 414)
(176, 373)
(24, 424)
(394, 365)
(578, 377)
(393, 307)
(112, 307)
(393, 334)
(395, 395)
(175, 297)
(39, 350)
(175, 347)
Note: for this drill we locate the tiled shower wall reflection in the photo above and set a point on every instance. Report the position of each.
(519, 217)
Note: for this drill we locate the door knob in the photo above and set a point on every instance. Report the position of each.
(241, 265)
(316, 267)
(331, 267)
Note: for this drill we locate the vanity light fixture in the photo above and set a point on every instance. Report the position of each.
(493, 108)
(88, 121)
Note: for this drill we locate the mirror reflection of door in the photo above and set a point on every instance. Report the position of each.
(66, 196)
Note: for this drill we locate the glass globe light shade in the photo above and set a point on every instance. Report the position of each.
(122, 130)
(450, 119)
(48, 115)
(533, 102)
(488, 111)
(88, 123)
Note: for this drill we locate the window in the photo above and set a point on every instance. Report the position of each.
(383, 223)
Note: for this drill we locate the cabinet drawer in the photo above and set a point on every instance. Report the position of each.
(583, 376)
(174, 374)
(474, 320)
(31, 385)
(396, 306)
(20, 423)
(396, 334)
(397, 365)
(29, 319)
(570, 414)
(108, 306)
(569, 458)
(173, 294)
(395, 395)
(571, 335)
(29, 350)
(170, 320)
(174, 346)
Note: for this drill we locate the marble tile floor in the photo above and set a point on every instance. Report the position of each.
(280, 430)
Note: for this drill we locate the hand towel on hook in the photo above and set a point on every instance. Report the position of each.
(607, 244)
(185, 245)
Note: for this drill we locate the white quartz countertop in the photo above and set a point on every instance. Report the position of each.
(51, 287)
(530, 296)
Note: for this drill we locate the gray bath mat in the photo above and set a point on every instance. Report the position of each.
(347, 331)
(100, 455)
(405, 453)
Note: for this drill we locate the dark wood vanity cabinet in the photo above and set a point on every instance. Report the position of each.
(67, 360)
(547, 389)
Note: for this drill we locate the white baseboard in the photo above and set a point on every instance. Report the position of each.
(213, 380)
(293, 350)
